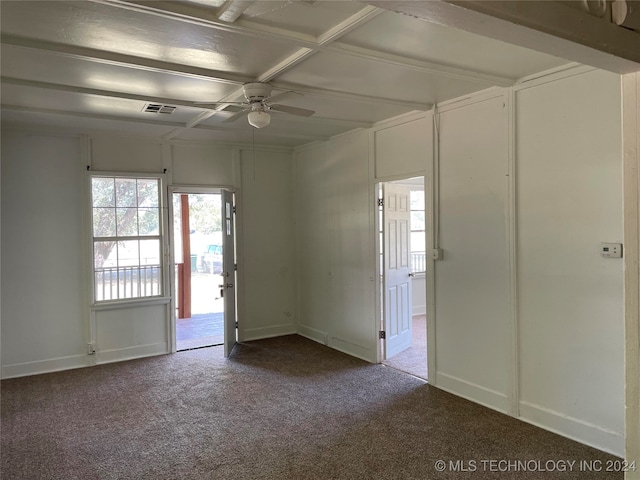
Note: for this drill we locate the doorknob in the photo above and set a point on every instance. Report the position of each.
(412, 274)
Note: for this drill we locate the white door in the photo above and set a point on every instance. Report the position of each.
(397, 269)
(228, 287)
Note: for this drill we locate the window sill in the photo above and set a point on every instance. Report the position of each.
(130, 303)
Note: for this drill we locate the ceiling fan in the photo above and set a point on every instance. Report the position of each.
(258, 105)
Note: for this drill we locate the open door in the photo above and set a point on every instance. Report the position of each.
(228, 286)
(396, 269)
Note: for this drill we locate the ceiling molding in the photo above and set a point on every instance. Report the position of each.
(325, 42)
(124, 60)
(94, 91)
(422, 66)
(354, 97)
(273, 132)
(232, 9)
(96, 116)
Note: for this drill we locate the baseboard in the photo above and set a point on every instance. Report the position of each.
(45, 366)
(130, 353)
(471, 391)
(313, 334)
(268, 332)
(352, 349)
(573, 428)
(419, 310)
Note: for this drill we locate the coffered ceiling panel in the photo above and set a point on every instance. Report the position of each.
(309, 17)
(431, 42)
(53, 68)
(334, 71)
(98, 63)
(132, 32)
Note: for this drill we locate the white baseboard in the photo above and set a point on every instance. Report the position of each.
(130, 353)
(573, 428)
(45, 366)
(352, 349)
(268, 332)
(476, 393)
(313, 334)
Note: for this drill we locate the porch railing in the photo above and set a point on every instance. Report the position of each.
(114, 283)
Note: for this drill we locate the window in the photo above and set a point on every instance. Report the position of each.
(126, 226)
(418, 255)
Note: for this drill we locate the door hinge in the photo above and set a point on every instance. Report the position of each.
(234, 209)
(236, 324)
(235, 267)
(383, 334)
(381, 202)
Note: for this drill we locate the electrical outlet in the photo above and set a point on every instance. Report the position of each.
(91, 349)
(611, 250)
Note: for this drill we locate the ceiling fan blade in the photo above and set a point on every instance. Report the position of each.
(280, 96)
(217, 104)
(237, 116)
(302, 112)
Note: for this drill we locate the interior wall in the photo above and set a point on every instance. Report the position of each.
(44, 316)
(528, 317)
(46, 240)
(268, 262)
(631, 147)
(570, 298)
(472, 280)
(336, 273)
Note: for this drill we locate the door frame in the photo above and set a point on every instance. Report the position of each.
(430, 232)
(170, 260)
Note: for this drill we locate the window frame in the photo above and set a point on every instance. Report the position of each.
(160, 237)
(412, 230)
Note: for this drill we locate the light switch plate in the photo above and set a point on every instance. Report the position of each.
(611, 250)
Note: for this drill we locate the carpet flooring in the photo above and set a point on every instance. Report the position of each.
(282, 408)
(413, 360)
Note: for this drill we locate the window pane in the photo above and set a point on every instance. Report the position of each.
(126, 195)
(417, 200)
(417, 220)
(128, 253)
(417, 242)
(148, 221)
(150, 252)
(102, 192)
(104, 222)
(127, 222)
(147, 193)
(104, 254)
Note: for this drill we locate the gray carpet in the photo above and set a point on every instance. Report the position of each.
(283, 408)
(413, 360)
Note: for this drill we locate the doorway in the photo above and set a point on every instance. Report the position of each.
(198, 272)
(402, 281)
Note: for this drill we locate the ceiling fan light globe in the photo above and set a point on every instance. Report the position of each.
(259, 119)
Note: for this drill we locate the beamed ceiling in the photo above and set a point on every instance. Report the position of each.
(96, 65)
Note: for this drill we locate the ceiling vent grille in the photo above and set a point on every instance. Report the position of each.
(159, 108)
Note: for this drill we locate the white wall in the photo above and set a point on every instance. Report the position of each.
(268, 267)
(631, 147)
(47, 320)
(44, 315)
(472, 281)
(336, 273)
(569, 199)
(528, 317)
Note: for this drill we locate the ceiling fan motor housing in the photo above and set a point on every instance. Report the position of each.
(256, 92)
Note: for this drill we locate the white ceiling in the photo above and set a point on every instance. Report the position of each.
(96, 64)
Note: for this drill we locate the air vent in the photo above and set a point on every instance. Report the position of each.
(158, 108)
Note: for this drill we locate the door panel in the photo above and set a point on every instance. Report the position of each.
(397, 269)
(228, 271)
